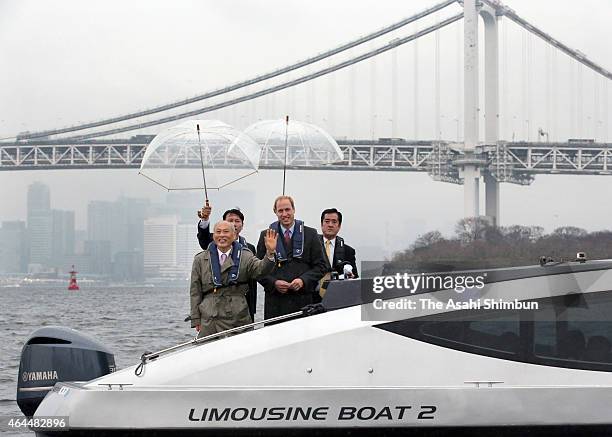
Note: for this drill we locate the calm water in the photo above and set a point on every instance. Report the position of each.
(127, 321)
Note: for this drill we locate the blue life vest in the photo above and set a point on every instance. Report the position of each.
(215, 267)
(297, 240)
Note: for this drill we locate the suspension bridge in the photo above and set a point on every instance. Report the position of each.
(418, 83)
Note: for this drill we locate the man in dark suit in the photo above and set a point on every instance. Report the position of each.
(338, 254)
(299, 262)
(235, 217)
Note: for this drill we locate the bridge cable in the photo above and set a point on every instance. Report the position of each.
(246, 83)
(288, 84)
(575, 54)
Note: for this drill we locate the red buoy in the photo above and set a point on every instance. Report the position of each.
(73, 280)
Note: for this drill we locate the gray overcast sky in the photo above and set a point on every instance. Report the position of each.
(70, 61)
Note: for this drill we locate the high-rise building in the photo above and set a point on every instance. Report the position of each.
(120, 222)
(121, 225)
(187, 245)
(62, 236)
(100, 254)
(136, 212)
(101, 222)
(13, 247)
(80, 236)
(40, 224)
(159, 243)
(39, 198)
(39, 229)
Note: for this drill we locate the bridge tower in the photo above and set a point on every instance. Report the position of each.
(491, 21)
(468, 166)
(472, 164)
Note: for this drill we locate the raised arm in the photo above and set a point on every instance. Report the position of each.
(259, 267)
(204, 235)
(266, 281)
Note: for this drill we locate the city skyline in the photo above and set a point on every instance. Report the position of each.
(121, 239)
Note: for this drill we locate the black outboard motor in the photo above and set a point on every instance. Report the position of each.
(53, 354)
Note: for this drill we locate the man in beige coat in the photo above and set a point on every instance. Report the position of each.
(220, 279)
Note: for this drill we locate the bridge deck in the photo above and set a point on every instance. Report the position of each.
(508, 162)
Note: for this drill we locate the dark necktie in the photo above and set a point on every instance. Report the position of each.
(287, 238)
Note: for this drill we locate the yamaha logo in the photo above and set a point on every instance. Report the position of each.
(39, 376)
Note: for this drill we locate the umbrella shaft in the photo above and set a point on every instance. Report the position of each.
(202, 164)
(285, 164)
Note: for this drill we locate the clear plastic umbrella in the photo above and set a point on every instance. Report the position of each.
(298, 144)
(200, 154)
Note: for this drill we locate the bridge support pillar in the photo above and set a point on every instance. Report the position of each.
(468, 172)
(491, 68)
(491, 199)
(470, 75)
(491, 115)
(471, 190)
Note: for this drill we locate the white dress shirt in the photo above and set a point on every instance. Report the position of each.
(291, 229)
(332, 247)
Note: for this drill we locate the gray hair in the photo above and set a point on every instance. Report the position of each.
(231, 225)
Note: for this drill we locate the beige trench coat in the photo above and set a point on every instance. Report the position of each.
(226, 308)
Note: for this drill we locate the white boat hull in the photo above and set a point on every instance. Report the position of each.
(335, 372)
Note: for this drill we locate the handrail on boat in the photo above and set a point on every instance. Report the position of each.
(308, 310)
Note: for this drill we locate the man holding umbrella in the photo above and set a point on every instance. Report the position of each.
(236, 217)
(300, 264)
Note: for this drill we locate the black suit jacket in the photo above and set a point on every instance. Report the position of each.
(310, 268)
(342, 252)
(205, 238)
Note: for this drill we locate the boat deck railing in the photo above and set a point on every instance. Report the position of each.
(308, 310)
